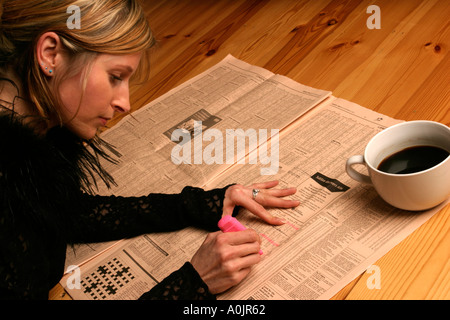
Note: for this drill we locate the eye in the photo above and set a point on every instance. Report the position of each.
(115, 79)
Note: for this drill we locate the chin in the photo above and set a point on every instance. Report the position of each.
(89, 135)
(85, 133)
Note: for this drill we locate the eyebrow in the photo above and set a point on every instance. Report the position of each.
(128, 68)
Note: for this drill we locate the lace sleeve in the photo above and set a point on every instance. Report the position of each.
(183, 284)
(110, 217)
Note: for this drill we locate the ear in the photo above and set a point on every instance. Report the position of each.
(49, 53)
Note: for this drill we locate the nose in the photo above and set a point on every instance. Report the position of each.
(121, 101)
(122, 108)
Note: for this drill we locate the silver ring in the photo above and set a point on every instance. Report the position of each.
(255, 193)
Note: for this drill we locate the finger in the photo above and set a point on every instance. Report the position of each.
(272, 198)
(284, 192)
(242, 243)
(247, 249)
(240, 275)
(244, 262)
(248, 261)
(258, 210)
(280, 192)
(227, 209)
(242, 237)
(269, 201)
(265, 185)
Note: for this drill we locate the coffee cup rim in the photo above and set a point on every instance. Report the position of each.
(398, 125)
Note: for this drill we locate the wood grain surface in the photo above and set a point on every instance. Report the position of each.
(401, 70)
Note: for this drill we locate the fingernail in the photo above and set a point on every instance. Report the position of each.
(279, 220)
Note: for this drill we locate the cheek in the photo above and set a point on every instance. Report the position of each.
(98, 92)
(70, 95)
(97, 95)
(81, 103)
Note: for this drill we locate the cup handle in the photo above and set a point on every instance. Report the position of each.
(359, 159)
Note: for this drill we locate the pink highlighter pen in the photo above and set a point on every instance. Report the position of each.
(230, 224)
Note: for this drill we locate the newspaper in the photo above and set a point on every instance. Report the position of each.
(340, 228)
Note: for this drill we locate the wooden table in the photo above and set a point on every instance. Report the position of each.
(401, 70)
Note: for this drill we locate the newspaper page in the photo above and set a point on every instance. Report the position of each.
(340, 228)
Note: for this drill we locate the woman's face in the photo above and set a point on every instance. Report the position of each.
(106, 92)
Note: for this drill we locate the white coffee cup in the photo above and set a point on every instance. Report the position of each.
(413, 191)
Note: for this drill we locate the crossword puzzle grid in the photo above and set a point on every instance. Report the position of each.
(107, 280)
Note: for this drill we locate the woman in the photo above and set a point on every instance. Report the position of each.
(58, 87)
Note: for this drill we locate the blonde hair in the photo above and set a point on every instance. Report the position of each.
(107, 26)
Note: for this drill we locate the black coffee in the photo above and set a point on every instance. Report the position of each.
(413, 159)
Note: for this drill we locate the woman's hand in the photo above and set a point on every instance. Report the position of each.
(225, 259)
(239, 195)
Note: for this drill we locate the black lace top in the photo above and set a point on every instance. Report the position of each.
(44, 206)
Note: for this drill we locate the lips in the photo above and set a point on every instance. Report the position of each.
(104, 120)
